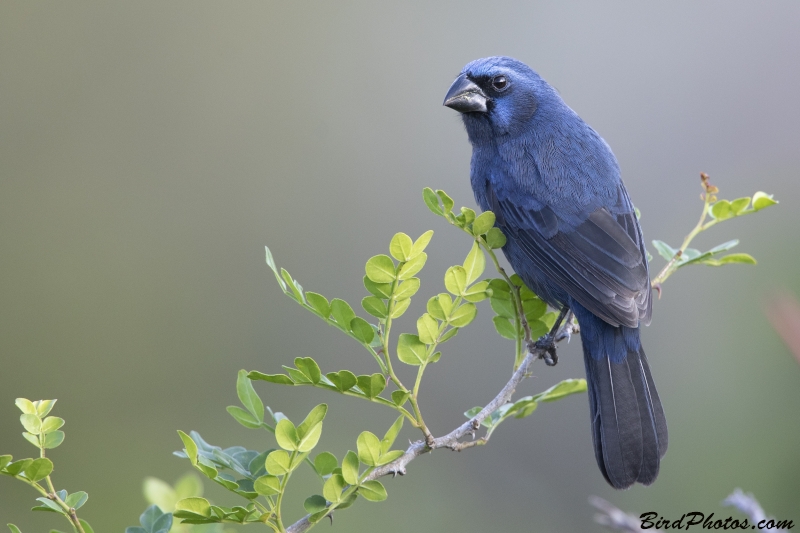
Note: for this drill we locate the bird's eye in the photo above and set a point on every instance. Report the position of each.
(500, 83)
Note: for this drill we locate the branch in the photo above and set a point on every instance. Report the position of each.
(783, 312)
(747, 505)
(451, 440)
(614, 518)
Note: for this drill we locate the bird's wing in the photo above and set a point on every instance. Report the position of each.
(600, 262)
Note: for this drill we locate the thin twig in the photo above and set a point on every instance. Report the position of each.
(616, 519)
(451, 440)
(783, 312)
(747, 505)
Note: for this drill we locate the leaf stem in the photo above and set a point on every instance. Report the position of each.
(671, 267)
(520, 353)
(284, 482)
(386, 333)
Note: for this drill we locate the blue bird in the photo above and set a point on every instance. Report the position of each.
(573, 237)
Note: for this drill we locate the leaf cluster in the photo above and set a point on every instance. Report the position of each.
(261, 478)
(44, 432)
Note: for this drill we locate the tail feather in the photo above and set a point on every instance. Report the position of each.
(629, 430)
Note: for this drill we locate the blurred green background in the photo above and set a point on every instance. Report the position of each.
(149, 150)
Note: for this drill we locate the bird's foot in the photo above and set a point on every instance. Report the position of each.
(547, 345)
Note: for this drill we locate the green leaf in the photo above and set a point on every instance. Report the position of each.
(400, 307)
(248, 397)
(369, 448)
(325, 463)
(48, 505)
(534, 309)
(562, 389)
(13, 528)
(381, 269)
(332, 490)
(372, 385)
(428, 329)
(4, 460)
(483, 223)
(381, 290)
(51, 423)
(281, 379)
(343, 380)
(746, 259)
(26, 406)
(449, 334)
(475, 263)
(724, 247)
(504, 327)
(43, 407)
(286, 435)
(412, 267)
(271, 264)
(295, 287)
(53, 440)
(310, 429)
(739, 205)
(495, 238)
(435, 308)
(362, 330)
(477, 292)
(372, 491)
(191, 485)
(447, 202)
(297, 376)
(342, 313)
(467, 216)
(189, 446)
(315, 504)
(455, 280)
(160, 493)
(762, 200)
(721, 210)
(391, 434)
(267, 485)
(278, 463)
(400, 247)
(407, 289)
(400, 397)
(88, 529)
(375, 306)
(410, 349)
(194, 505)
(76, 499)
(243, 417)
(309, 368)
(319, 303)
(463, 315)
(350, 468)
(431, 200)
(31, 423)
(39, 469)
(393, 455)
(33, 439)
(421, 243)
(526, 294)
(17, 466)
(500, 289)
(665, 250)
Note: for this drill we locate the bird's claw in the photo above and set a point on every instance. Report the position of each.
(548, 347)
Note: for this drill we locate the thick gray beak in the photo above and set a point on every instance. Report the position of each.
(465, 97)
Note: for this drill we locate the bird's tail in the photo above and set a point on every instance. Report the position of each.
(629, 430)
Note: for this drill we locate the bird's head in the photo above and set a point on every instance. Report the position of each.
(497, 93)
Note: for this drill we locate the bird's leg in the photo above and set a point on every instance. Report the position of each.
(548, 342)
